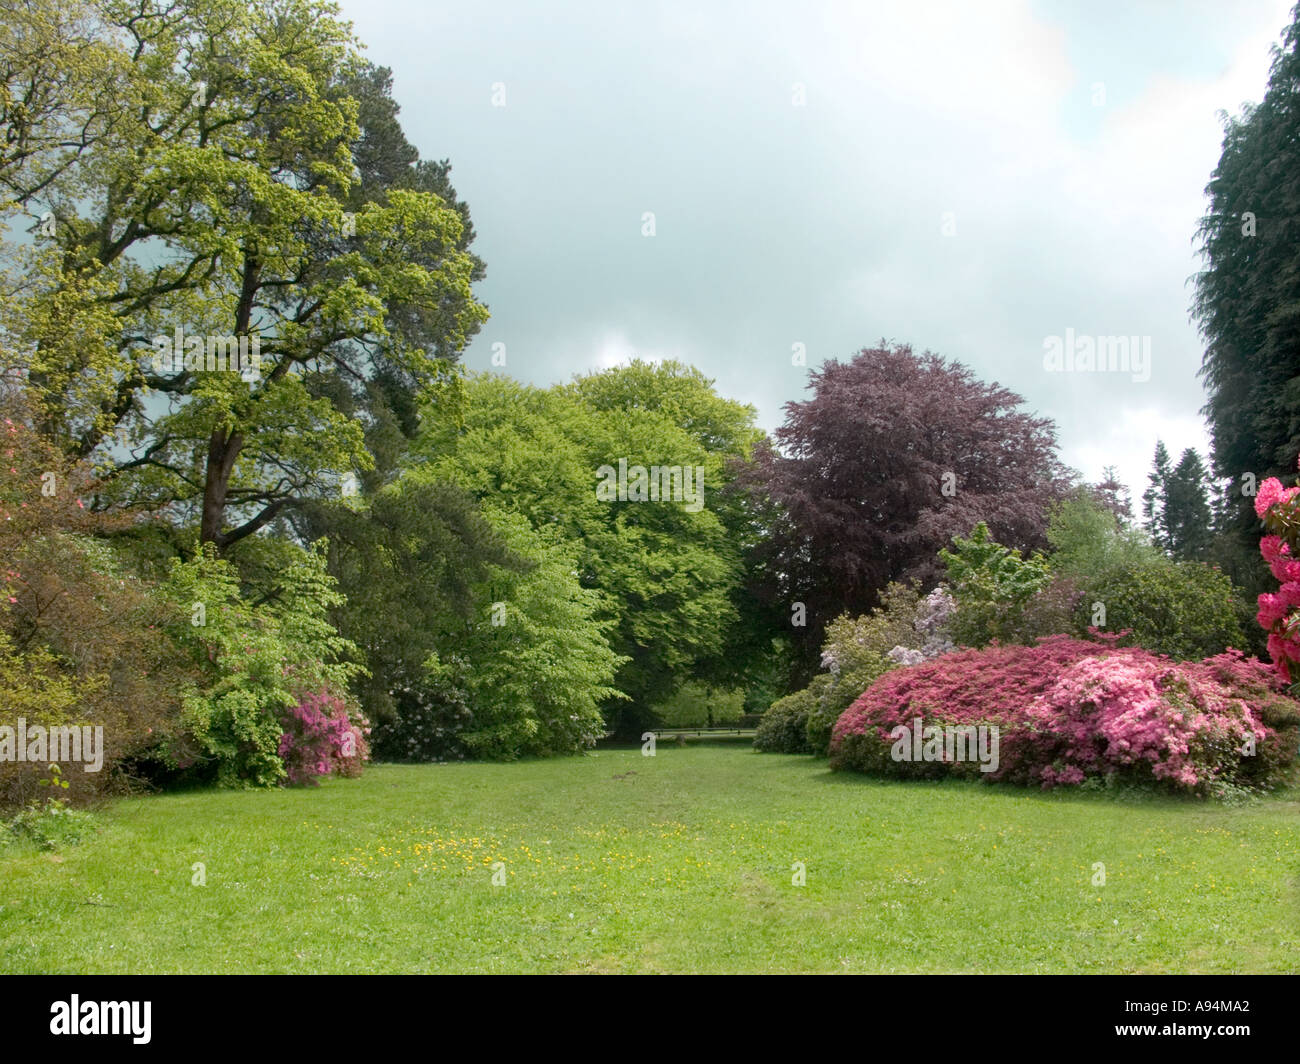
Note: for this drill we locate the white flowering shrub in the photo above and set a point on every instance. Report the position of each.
(905, 629)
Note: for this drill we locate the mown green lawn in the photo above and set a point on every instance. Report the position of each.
(685, 865)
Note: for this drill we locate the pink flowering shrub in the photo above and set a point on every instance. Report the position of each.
(1068, 710)
(321, 739)
(965, 687)
(1143, 717)
(1279, 611)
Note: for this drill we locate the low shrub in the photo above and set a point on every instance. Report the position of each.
(48, 825)
(833, 694)
(1148, 719)
(1068, 710)
(82, 643)
(320, 738)
(252, 662)
(783, 729)
(426, 726)
(1188, 610)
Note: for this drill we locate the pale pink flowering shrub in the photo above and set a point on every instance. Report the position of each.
(902, 655)
(933, 623)
(1145, 717)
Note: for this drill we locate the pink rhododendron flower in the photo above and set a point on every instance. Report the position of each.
(1285, 570)
(1279, 612)
(1274, 548)
(1270, 494)
(1271, 610)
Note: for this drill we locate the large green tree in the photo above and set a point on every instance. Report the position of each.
(668, 573)
(1176, 505)
(230, 189)
(1248, 297)
(1153, 499)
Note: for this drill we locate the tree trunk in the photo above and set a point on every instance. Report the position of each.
(222, 452)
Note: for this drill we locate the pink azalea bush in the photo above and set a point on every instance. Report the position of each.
(1144, 716)
(1068, 710)
(320, 738)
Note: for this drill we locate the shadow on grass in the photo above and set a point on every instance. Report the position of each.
(1122, 795)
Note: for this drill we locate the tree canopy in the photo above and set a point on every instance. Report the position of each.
(1247, 300)
(893, 455)
(235, 173)
(668, 573)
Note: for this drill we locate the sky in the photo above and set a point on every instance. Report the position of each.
(993, 182)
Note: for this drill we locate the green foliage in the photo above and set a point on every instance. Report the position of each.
(783, 729)
(536, 681)
(834, 696)
(36, 686)
(409, 563)
(765, 670)
(1185, 609)
(668, 577)
(479, 636)
(697, 705)
(1086, 538)
(48, 825)
(993, 585)
(855, 644)
(253, 660)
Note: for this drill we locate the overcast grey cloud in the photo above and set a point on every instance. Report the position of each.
(968, 178)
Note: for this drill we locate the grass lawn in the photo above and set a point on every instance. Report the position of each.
(682, 865)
